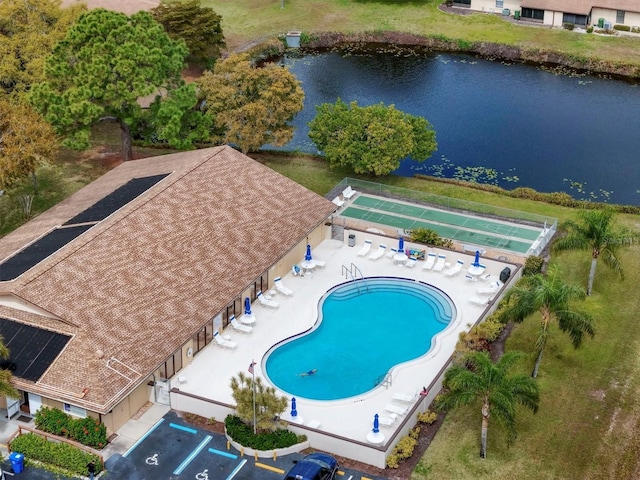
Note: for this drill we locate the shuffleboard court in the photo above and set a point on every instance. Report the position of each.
(463, 228)
(447, 218)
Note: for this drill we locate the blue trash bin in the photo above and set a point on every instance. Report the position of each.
(17, 462)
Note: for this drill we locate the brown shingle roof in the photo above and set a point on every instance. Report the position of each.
(581, 7)
(139, 283)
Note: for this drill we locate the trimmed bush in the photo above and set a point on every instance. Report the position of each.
(243, 434)
(532, 265)
(61, 455)
(622, 28)
(87, 431)
(568, 26)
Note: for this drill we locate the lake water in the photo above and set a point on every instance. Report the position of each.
(573, 133)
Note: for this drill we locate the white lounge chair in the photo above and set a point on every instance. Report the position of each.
(365, 248)
(337, 202)
(404, 397)
(378, 253)
(479, 300)
(319, 263)
(455, 269)
(281, 288)
(348, 192)
(490, 289)
(430, 261)
(396, 409)
(267, 302)
(388, 421)
(411, 263)
(440, 263)
(223, 342)
(392, 252)
(239, 326)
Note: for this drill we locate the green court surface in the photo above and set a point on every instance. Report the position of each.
(456, 226)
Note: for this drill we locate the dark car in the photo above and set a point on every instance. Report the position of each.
(315, 466)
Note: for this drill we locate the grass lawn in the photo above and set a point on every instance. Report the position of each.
(246, 22)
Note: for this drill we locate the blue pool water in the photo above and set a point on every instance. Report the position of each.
(365, 328)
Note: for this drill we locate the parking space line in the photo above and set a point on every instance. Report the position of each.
(236, 470)
(192, 455)
(224, 454)
(184, 429)
(140, 440)
(269, 467)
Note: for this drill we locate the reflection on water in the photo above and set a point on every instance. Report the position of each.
(509, 124)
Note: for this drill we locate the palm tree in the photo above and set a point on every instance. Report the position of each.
(597, 232)
(6, 388)
(499, 393)
(551, 296)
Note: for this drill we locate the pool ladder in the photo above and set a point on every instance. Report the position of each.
(384, 380)
(354, 274)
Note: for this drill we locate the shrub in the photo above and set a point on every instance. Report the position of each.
(243, 434)
(568, 26)
(60, 455)
(622, 28)
(480, 337)
(427, 417)
(404, 448)
(589, 29)
(87, 431)
(532, 265)
(52, 420)
(429, 237)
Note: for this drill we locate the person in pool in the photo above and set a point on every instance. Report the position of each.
(309, 373)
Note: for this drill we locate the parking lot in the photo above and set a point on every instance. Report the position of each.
(175, 450)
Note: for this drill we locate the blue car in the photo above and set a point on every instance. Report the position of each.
(315, 466)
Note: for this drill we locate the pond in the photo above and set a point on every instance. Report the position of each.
(512, 125)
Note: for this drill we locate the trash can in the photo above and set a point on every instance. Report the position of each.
(601, 23)
(17, 462)
(516, 14)
(352, 240)
(505, 274)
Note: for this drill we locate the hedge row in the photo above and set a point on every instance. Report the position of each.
(62, 455)
(87, 431)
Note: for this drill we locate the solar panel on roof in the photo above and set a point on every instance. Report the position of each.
(31, 349)
(33, 254)
(116, 199)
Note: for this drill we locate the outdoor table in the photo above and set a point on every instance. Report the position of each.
(476, 270)
(308, 265)
(400, 258)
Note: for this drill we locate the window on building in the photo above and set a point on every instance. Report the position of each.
(575, 19)
(620, 17)
(462, 3)
(532, 14)
(75, 411)
(172, 365)
(499, 3)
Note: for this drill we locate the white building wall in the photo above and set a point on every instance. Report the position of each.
(489, 6)
(630, 18)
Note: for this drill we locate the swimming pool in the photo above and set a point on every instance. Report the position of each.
(364, 329)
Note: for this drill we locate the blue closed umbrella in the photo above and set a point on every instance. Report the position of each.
(247, 306)
(307, 256)
(476, 262)
(401, 245)
(294, 412)
(376, 424)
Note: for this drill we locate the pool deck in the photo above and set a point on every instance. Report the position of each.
(210, 372)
